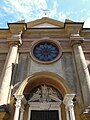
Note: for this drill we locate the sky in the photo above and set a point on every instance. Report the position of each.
(29, 10)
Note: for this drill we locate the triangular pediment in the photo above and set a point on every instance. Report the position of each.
(45, 25)
(45, 22)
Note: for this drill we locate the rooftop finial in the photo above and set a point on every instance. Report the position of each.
(46, 12)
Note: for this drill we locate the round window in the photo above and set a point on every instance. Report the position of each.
(45, 51)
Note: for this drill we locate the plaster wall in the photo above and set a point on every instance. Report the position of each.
(23, 67)
(64, 67)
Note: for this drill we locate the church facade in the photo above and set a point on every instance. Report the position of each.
(45, 70)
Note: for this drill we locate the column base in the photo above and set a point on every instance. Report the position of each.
(4, 112)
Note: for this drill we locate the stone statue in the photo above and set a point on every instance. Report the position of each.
(45, 94)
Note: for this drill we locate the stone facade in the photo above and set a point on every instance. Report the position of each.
(21, 74)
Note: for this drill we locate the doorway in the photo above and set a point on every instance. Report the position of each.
(44, 115)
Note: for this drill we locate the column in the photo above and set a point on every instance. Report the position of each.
(68, 101)
(82, 70)
(17, 106)
(22, 113)
(29, 113)
(7, 73)
(60, 113)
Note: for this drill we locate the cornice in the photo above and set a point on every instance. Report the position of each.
(16, 27)
(68, 27)
(73, 27)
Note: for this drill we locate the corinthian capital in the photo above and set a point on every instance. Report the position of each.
(19, 97)
(18, 100)
(68, 100)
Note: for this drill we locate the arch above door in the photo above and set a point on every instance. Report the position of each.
(47, 80)
(40, 78)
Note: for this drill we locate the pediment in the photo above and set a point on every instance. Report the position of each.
(45, 25)
(45, 22)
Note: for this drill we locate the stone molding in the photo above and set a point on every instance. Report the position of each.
(55, 43)
(44, 106)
